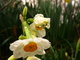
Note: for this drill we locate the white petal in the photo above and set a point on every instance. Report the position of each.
(41, 52)
(18, 53)
(42, 43)
(41, 33)
(15, 44)
(25, 54)
(36, 40)
(21, 53)
(48, 25)
(31, 53)
(39, 20)
(45, 44)
(24, 2)
(38, 15)
(32, 27)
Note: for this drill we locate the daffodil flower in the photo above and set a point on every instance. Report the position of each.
(39, 25)
(33, 58)
(32, 3)
(40, 20)
(29, 47)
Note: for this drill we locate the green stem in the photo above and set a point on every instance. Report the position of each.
(72, 50)
(77, 48)
(24, 58)
(26, 30)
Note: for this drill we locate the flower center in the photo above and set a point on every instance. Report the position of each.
(32, 46)
(39, 27)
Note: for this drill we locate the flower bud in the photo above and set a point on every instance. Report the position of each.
(33, 58)
(12, 58)
(24, 13)
(66, 54)
(21, 18)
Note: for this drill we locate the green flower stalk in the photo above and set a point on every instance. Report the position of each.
(24, 13)
(77, 48)
(26, 29)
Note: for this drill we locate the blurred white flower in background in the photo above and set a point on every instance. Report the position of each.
(29, 47)
(35, 2)
(75, 2)
(61, 18)
(33, 58)
(24, 2)
(31, 2)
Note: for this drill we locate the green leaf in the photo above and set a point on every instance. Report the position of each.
(21, 37)
(77, 49)
(5, 41)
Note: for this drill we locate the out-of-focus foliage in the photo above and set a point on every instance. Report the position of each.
(63, 34)
(10, 26)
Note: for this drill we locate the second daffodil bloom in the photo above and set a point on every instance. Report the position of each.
(32, 58)
(40, 22)
(29, 47)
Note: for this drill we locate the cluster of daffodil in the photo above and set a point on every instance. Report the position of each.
(31, 2)
(31, 42)
(34, 3)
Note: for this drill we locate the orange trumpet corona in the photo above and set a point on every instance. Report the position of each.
(38, 28)
(32, 46)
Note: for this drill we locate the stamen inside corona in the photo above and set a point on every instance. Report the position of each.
(39, 27)
(32, 46)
